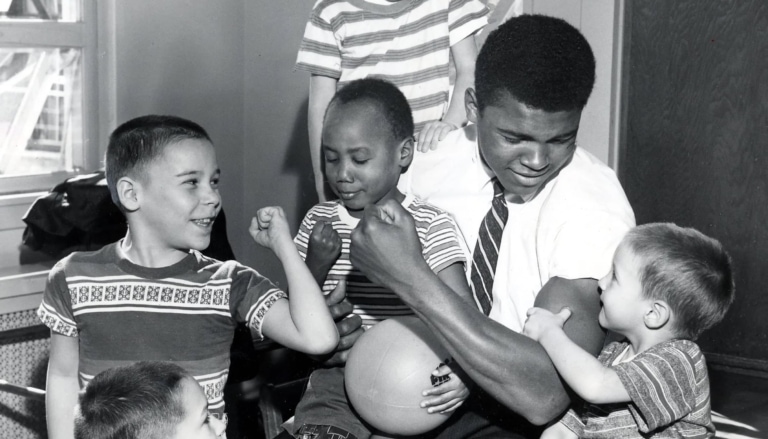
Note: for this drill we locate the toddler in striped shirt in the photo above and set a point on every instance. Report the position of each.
(667, 285)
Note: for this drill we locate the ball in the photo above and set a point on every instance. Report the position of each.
(387, 369)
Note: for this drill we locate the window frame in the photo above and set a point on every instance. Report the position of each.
(93, 35)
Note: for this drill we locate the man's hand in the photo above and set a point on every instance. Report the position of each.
(540, 321)
(449, 395)
(386, 248)
(349, 326)
(324, 246)
(269, 228)
(432, 133)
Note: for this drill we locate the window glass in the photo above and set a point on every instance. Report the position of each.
(48, 10)
(40, 110)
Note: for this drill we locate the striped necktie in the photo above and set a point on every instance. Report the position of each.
(487, 249)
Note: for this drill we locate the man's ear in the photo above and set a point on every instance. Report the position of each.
(658, 315)
(406, 152)
(470, 104)
(128, 193)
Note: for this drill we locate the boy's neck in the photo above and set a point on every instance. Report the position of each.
(647, 339)
(135, 250)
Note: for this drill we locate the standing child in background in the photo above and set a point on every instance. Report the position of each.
(367, 143)
(146, 400)
(668, 284)
(406, 42)
(152, 296)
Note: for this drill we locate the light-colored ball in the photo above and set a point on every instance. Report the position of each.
(387, 369)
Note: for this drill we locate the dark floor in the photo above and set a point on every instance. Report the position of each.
(742, 398)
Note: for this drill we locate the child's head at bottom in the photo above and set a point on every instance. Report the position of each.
(667, 277)
(147, 400)
(367, 142)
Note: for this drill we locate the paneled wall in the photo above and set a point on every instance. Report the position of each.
(696, 149)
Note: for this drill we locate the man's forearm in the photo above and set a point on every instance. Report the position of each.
(509, 366)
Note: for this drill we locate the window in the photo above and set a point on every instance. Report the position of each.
(48, 92)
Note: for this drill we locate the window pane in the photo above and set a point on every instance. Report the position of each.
(40, 110)
(49, 10)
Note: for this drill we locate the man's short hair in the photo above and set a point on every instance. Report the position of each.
(143, 400)
(688, 270)
(543, 62)
(137, 142)
(387, 99)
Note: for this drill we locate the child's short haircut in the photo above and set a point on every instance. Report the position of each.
(143, 400)
(543, 62)
(688, 270)
(388, 99)
(138, 142)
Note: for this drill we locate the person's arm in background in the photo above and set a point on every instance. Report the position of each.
(464, 54)
(511, 367)
(321, 90)
(62, 386)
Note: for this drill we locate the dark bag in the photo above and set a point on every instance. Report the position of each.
(77, 214)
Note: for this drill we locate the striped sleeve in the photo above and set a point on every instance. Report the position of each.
(260, 295)
(302, 237)
(55, 311)
(465, 17)
(440, 242)
(319, 52)
(662, 384)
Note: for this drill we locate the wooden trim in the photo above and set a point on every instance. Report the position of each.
(740, 365)
(35, 332)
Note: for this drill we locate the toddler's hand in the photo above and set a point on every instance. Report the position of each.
(432, 133)
(540, 321)
(269, 228)
(324, 245)
(450, 394)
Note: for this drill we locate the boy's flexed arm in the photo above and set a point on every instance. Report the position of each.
(62, 386)
(302, 323)
(589, 378)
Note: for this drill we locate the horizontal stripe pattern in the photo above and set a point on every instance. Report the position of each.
(186, 313)
(409, 46)
(373, 303)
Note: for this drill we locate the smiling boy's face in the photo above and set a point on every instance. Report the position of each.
(363, 161)
(179, 196)
(197, 422)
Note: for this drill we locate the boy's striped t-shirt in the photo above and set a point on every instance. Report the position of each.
(185, 313)
(407, 43)
(669, 389)
(373, 303)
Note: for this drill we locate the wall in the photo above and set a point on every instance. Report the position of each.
(277, 168)
(185, 58)
(697, 111)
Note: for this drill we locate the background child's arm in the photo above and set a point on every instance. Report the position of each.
(584, 374)
(321, 90)
(62, 388)
(464, 54)
(304, 322)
